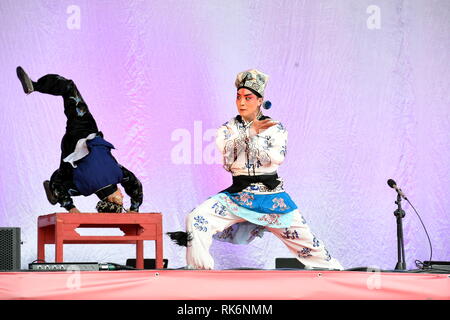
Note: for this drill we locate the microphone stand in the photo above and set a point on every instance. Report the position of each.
(400, 213)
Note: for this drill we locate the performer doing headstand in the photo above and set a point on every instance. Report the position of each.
(253, 147)
(87, 165)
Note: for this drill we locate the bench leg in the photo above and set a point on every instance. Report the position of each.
(159, 254)
(140, 254)
(59, 251)
(41, 245)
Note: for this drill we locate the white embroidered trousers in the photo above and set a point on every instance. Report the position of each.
(203, 222)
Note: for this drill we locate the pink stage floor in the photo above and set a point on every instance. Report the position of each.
(223, 285)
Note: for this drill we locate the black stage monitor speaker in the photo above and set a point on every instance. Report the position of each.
(289, 263)
(148, 263)
(9, 249)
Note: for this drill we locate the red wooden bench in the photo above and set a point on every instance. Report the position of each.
(59, 229)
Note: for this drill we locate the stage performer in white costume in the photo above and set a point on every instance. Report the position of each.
(253, 147)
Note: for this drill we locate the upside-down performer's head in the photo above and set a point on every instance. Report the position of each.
(111, 203)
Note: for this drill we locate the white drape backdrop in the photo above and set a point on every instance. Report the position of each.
(362, 87)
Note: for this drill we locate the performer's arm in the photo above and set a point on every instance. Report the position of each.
(61, 180)
(133, 188)
(231, 140)
(270, 145)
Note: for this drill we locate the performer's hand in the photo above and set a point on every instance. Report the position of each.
(74, 210)
(116, 197)
(259, 126)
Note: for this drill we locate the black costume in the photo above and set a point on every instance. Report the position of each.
(80, 124)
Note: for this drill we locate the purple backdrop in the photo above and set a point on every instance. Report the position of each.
(362, 87)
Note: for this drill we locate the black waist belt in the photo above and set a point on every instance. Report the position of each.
(242, 182)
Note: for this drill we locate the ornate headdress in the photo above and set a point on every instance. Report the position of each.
(252, 79)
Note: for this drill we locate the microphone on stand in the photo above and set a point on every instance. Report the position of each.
(391, 183)
(399, 213)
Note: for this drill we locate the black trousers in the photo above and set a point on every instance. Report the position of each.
(80, 122)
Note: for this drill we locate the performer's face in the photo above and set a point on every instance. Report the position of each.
(116, 197)
(248, 104)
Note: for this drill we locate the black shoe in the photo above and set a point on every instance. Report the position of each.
(27, 84)
(50, 195)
